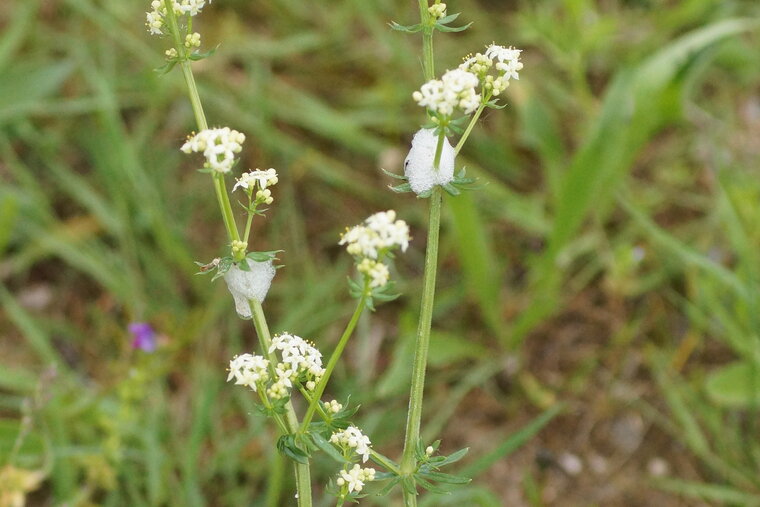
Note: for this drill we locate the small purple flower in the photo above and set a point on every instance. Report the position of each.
(144, 337)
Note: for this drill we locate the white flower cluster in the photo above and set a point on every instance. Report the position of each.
(455, 90)
(352, 440)
(381, 232)
(371, 241)
(437, 10)
(378, 273)
(479, 65)
(258, 177)
(333, 406)
(505, 60)
(248, 370)
(355, 478)
(156, 17)
(300, 361)
(218, 145)
(193, 40)
(508, 60)
(263, 179)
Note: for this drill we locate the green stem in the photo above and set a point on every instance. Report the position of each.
(195, 99)
(265, 401)
(224, 206)
(200, 120)
(408, 460)
(248, 222)
(467, 131)
(320, 389)
(412, 436)
(428, 65)
(439, 149)
(303, 474)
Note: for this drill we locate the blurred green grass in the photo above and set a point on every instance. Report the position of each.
(623, 176)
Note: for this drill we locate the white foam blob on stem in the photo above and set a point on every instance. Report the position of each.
(418, 167)
(247, 285)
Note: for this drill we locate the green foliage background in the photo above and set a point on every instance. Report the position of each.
(612, 246)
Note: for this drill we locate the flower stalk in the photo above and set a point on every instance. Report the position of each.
(303, 472)
(439, 149)
(471, 125)
(290, 424)
(414, 416)
(428, 64)
(320, 389)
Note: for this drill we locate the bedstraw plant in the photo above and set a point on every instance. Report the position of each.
(286, 365)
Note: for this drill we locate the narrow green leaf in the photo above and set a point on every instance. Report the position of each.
(406, 29)
(445, 478)
(444, 28)
(327, 447)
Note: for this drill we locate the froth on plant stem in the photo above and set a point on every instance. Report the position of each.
(249, 285)
(419, 165)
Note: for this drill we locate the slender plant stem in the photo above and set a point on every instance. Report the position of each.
(471, 125)
(200, 119)
(320, 389)
(268, 406)
(248, 222)
(225, 208)
(414, 415)
(439, 149)
(303, 473)
(195, 100)
(428, 65)
(408, 461)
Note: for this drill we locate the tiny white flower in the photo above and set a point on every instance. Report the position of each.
(154, 22)
(437, 10)
(218, 145)
(501, 53)
(299, 357)
(376, 271)
(355, 478)
(333, 406)
(248, 370)
(455, 90)
(193, 40)
(258, 177)
(479, 64)
(265, 196)
(353, 439)
(278, 390)
(507, 60)
(379, 233)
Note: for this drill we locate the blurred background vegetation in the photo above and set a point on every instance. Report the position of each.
(609, 260)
